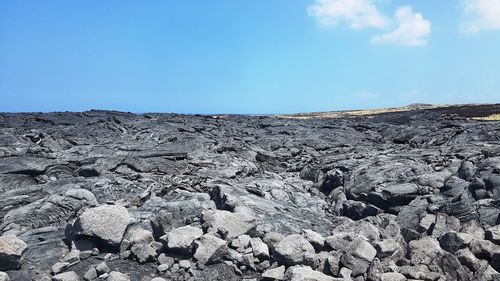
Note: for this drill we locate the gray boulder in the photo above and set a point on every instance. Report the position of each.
(11, 250)
(182, 238)
(107, 223)
(306, 273)
(209, 249)
(358, 256)
(117, 276)
(424, 251)
(292, 250)
(66, 276)
(392, 276)
(4, 276)
(277, 273)
(231, 224)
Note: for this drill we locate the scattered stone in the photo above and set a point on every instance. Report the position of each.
(424, 251)
(66, 276)
(392, 276)
(209, 249)
(358, 256)
(106, 223)
(143, 253)
(259, 248)
(91, 274)
(232, 224)
(277, 273)
(11, 250)
(102, 268)
(293, 250)
(138, 235)
(387, 247)
(117, 276)
(184, 264)
(59, 267)
(315, 239)
(305, 273)
(182, 238)
(241, 242)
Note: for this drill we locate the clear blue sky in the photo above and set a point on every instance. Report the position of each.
(248, 56)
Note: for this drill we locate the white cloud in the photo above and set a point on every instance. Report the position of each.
(358, 14)
(483, 15)
(411, 31)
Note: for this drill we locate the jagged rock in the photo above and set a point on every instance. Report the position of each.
(241, 242)
(277, 273)
(453, 241)
(273, 238)
(292, 250)
(91, 274)
(467, 259)
(181, 239)
(232, 224)
(102, 268)
(333, 262)
(493, 234)
(392, 180)
(59, 267)
(392, 276)
(483, 249)
(117, 276)
(306, 273)
(143, 252)
(259, 248)
(453, 269)
(107, 223)
(314, 238)
(66, 276)
(11, 250)
(386, 248)
(358, 256)
(424, 251)
(161, 223)
(138, 235)
(4, 276)
(209, 249)
(445, 223)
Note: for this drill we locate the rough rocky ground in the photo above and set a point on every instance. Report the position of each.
(115, 196)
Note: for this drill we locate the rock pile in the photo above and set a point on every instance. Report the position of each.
(116, 196)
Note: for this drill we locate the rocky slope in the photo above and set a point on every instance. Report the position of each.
(115, 196)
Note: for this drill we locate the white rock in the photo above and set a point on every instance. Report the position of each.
(314, 238)
(306, 273)
(277, 273)
(4, 276)
(259, 248)
(117, 276)
(11, 250)
(392, 276)
(107, 223)
(209, 249)
(234, 224)
(293, 249)
(182, 238)
(66, 276)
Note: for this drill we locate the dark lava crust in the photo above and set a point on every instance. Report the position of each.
(394, 196)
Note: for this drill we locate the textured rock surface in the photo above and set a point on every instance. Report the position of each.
(11, 250)
(106, 223)
(394, 196)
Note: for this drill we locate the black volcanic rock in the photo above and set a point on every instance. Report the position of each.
(411, 194)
